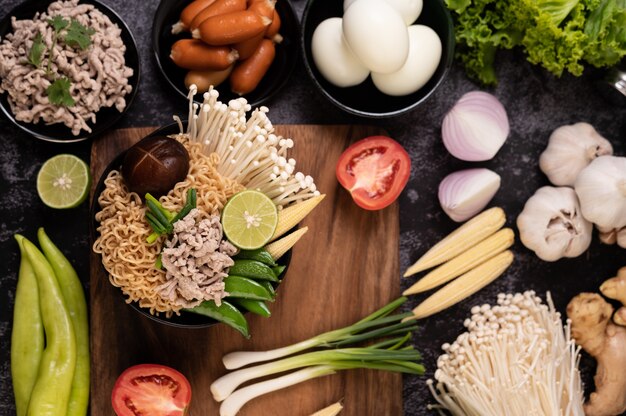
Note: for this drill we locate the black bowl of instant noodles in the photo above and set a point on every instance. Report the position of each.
(82, 89)
(185, 319)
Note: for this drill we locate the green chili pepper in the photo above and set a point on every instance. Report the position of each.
(74, 296)
(225, 313)
(260, 254)
(255, 306)
(27, 338)
(51, 392)
(243, 287)
(252, 269)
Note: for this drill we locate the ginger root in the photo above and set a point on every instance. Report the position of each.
(593, 330)
(615, 288)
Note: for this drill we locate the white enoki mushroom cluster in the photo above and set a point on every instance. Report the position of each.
(249, 151)
(515, 359)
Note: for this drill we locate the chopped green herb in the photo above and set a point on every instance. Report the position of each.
(58, 23)
(35, 54)
(59, 92)
(78, 36)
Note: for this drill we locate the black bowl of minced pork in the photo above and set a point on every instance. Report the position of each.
(86, 81)
(185, 319)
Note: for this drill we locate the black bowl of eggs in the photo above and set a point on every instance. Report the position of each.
(376, 58)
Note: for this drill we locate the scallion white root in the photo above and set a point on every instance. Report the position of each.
(516, 359)
(238, 399)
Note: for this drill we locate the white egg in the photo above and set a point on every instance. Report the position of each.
(408, 9)
(423, 59)
(377, 35)
(332, 56)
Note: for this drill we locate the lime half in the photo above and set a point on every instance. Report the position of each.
(63, 181)
(249, 219)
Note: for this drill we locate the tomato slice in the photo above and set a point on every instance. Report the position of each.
(374, 170)
(151, 390)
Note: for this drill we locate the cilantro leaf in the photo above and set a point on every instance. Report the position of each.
(59, 92)
(35, 54)
(58, 23)
(78, 36)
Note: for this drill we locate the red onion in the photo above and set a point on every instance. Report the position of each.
(476, 127)
(465, 193)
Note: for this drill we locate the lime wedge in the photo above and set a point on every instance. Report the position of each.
(249, 219)
(63, 181)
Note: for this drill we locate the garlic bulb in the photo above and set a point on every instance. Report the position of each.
(476, 127)
(552, 225)
(601, 188)
(570, 150)
(465, 193)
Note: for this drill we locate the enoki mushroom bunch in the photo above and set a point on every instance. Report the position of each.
(515, 359)
(249, 151)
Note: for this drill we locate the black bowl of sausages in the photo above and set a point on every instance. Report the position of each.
(242, 48)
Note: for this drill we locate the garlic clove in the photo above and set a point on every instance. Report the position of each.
(465, 193)
(570, 149)
(476, 127)
(601, 188)
(552, 226)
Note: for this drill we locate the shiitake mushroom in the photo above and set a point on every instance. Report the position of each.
(155, 164)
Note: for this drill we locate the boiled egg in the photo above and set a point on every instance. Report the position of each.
(377, 35)
(421, 63)
(333, 57)
(408, 9)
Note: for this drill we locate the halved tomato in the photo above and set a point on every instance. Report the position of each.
(374, 170)
(151, 389)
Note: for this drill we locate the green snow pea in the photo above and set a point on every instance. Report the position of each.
(243, 287)
(225, 313)
(255, 306)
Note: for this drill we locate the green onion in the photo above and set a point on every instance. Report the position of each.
(387, 355)
(160, 207)
(349, 334)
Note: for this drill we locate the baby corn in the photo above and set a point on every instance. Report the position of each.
(292, 215)
(465, 286)
(465, 261)
(332, 410)
(280, 247)
(469, 234)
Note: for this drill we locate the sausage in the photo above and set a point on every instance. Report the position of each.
(217, 8)
(247, 75)
(195, 54)
(263, 8)
(204, 79)
(192, 10)
(247, 47)
(274, 27)
(229, 28)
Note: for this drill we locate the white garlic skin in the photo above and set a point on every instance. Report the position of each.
(465, 193)
(570, 149)
(552, 224)
(601, 188)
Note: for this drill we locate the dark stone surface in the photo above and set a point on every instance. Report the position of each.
(536, 102)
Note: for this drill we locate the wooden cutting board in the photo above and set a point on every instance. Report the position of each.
(345, 267)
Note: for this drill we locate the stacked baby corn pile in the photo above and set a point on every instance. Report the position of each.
(475, 254)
